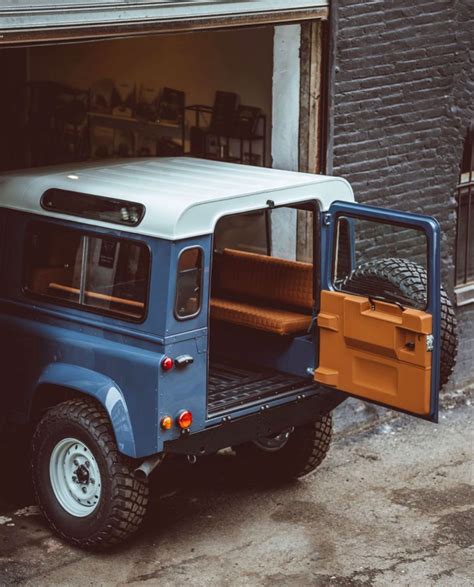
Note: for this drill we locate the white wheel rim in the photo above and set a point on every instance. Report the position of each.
(75, 477)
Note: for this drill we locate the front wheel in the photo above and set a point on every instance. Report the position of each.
(292, 453)
(83, 485)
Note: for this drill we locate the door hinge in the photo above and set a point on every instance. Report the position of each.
(430, 343)
(312, 326)
(326, 219)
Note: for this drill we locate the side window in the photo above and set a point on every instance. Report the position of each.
(54, 259)
(465, 220)
(116, 276)
(189, 283)
(104, 275)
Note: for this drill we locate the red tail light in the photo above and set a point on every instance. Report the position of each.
(167, 363)
(184, 419)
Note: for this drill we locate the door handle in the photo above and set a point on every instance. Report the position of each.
(183, 361)
(373, 299)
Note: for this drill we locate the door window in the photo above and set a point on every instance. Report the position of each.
(361, 242)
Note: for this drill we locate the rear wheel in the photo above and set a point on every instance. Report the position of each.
(290, 454)
(84, 486)
(405, 282)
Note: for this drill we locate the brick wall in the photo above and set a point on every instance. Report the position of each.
(403, 100)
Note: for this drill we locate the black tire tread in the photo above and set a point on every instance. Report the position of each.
(305, 450)
(130, 495)
(314, 446)
(402, 281)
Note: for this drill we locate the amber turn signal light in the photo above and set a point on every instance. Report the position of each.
(167, 363)
(184, 419)
(166, 422)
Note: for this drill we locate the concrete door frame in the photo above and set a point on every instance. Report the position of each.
(297, 124)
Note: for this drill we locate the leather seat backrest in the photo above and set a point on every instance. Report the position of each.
(272, 281)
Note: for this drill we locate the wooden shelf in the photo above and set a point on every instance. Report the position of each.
(132, 124)
(232, 136)
(137, 128)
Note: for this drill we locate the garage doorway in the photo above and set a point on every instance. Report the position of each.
(100, 99)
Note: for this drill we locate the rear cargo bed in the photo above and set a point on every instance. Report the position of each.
(232, 386)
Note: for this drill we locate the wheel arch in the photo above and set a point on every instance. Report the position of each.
(61, 381)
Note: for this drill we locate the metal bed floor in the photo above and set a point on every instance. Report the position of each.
(232, 386)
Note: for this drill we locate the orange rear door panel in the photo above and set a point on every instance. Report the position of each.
(377, 353)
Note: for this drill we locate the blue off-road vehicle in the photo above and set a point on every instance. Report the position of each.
(179, 306)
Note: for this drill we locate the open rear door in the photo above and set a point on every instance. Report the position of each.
(377, 342)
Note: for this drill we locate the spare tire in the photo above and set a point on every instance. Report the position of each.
(405, 282)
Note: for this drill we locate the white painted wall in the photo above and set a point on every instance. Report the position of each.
(285, 128)
(286, 97)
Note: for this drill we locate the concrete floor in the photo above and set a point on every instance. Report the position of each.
(389, 507)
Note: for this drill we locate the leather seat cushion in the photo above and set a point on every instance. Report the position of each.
(266, 319)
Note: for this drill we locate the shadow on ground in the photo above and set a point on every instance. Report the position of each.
(17, 491)
(174, 487)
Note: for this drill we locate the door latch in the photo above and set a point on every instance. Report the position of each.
(183, 361)
(430, 343)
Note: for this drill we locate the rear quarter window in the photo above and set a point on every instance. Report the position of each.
(189, 283)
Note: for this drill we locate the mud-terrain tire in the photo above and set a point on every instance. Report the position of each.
(405, 282)
(304, 450)
(83, 485)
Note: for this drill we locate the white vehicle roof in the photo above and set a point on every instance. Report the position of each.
(183, 197)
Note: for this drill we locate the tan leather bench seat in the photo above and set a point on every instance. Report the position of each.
(266, 319)
(261, 292)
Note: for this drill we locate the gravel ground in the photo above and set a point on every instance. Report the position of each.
(390, 506)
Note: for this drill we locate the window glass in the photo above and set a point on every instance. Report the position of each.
(189, 283)
(465, 235)
(465, 210)
(360, 241)
(102, 274)
(95, 207)
(116, 276)
(54, 259)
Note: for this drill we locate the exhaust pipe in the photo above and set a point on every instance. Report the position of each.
(147, 467)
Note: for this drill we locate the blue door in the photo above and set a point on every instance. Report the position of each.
(379, 308)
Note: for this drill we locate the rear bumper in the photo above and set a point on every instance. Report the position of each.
(264, 423)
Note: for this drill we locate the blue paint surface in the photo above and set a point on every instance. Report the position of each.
(117, 362)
